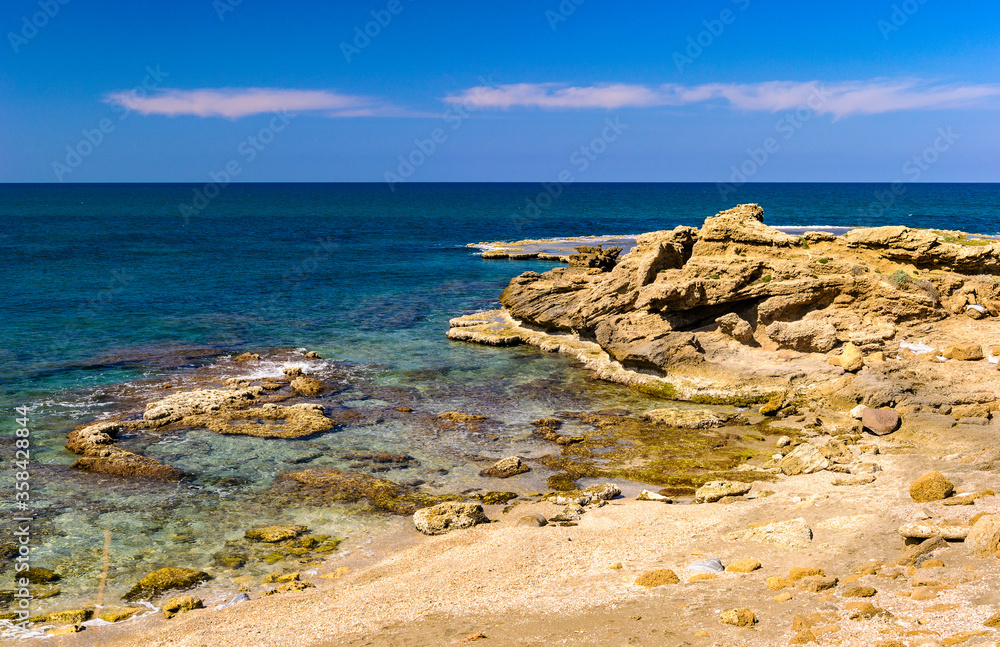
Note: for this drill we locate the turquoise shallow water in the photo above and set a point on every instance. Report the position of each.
(107, 290)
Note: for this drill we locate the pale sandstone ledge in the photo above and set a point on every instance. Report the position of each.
(739, 312)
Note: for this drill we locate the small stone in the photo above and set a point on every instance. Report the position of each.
(657, 578)
(448, 516)
(744, 565)
(880, 421)
(617, 566)
(63, 631)
(963, 352)
(533, 520)
(312, 355)
(742, 617)
(784, 441)
(923, 593)
(803, 637)
(776, 583)
(700, 577)
(857, 411)
(182, 604)
(862, 610)
(646, 495)
(913, 553)
(932, 486)
(798, 572)
(715, 490)
(816, 583)
(117, 615)
(804, 459)
(932, 563)
(859, 592)
(506, 467)
(70, 617)
(850, 358)
(783, 597)
(246, 357)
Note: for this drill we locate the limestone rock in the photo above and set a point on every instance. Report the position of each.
(646, 495)
(932, 486)
(850, 358)
(880, 421)
(506, 467)
(604, 492)
(448, 516)
(742, 617)
(984, 538)
(804, 459)
(963, 352)
(805, 336)
(715, 490)
(658, 577)
(934, 528)
(165, 579)
(816, 583)
(246, 357)
(744, 565)
(70, 617)
(913, 553)
(182, 604)
(732, 325)
(117, 615)
(794, 533)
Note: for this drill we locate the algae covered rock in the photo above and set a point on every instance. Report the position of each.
(182, 604)
(684, 418)
(38, 575)
(450, 515)
(70, 617)
(307, 386)
(165, 579)
(273, 534)
(932, 486)
(506, 467)
(603, 492)
(118, 615)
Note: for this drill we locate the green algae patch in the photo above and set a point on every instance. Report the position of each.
(679, 460)
(729, 400)
(663, 390)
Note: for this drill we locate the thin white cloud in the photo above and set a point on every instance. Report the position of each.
(838, 99)
(234, 103)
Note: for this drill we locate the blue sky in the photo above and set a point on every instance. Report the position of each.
(718, 91)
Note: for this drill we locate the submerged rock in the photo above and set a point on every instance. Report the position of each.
(448, 516)
(506, 467)
(685, 418)
(273, 534)
(163, 580)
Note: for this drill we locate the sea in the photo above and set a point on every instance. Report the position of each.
(115, 294)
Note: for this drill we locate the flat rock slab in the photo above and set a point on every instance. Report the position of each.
(880, 421)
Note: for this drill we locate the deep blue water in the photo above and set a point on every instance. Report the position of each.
(99, 281)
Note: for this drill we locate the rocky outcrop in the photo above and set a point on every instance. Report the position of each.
(707, 313)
